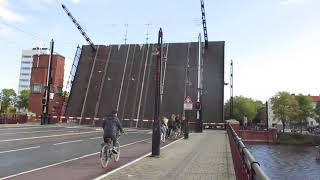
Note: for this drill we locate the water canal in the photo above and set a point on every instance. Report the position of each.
(287, 161)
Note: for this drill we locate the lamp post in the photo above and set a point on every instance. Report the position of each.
(231, 90)
(157, 100)
(46, 97)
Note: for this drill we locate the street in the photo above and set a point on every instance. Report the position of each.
(22, 150)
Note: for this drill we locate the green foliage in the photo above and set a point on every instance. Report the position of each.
(305, 109)
(292, 108)
(11, 110)
(317, 112)
(305, 106)
(261, 115)
(8, 98)
(23, 98)
(243, 106)
(284, 107)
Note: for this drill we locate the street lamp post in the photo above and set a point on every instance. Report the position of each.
(199, 89)
(231, 90)
(46, 98)
(157, 101)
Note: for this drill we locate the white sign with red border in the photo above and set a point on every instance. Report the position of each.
(188, 104)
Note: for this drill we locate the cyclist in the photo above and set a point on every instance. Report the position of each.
(111, 125)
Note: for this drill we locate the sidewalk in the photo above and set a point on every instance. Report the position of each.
(203, 156)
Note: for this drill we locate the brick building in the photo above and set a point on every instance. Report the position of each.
(38, 83)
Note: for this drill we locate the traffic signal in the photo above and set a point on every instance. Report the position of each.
(44, 101)
(198, 106)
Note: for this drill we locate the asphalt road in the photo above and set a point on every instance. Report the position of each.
(25, 149)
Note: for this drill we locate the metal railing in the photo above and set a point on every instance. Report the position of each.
(245, 165)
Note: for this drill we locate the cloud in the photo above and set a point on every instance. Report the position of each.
(293, 68)
(76, 1)
(9, 15)
(288, 2)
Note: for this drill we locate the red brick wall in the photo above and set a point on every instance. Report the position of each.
(39, 76)
(259, 136)
(269, 135)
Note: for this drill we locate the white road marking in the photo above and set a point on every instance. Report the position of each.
(132, 162)
(37, 127)
(30, 132)
(66, 142)
(39, 137)
(14, 150)
(55, 164)
(73, 127)
(100, 137)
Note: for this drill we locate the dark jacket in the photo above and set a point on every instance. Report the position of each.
(110, 126)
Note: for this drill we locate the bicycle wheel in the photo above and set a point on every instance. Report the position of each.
(117, 148)
(104, 156)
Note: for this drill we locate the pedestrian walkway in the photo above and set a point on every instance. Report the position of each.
(203, 156)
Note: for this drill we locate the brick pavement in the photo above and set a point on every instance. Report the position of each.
(203, 156)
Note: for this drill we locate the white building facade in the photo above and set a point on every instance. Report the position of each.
(26, 66)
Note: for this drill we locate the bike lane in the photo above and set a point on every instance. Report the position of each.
(89, 167)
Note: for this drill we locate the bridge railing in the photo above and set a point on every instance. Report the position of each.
(245, 165)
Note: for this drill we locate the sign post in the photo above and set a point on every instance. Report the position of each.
(187, 106)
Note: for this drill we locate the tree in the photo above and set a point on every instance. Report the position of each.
(284, 107)
(8, 98)
(242, 107)
(22, 100)
(317, 112)
(261, 115)
(305, 109)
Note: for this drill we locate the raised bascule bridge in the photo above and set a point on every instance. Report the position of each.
(123, 77)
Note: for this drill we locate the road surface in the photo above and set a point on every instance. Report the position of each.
(28, 152)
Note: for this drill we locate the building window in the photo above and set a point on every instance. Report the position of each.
(24, 80)
(36, 88)
(26, 62)
(25, 74)
(24, 86)
(26, 68)
(59, 90)
(25, 56)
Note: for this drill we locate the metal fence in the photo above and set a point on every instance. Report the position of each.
(246, 167)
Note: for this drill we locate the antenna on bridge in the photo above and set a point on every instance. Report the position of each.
(75, 22)
(126, 34)
(147, 34)
(204, 24)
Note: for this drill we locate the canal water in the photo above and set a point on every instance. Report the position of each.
(287, 162)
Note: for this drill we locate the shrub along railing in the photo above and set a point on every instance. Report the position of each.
(246, 167)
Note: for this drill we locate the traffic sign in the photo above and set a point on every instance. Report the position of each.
(188, 104)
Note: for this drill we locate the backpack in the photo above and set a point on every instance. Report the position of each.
(109, 127)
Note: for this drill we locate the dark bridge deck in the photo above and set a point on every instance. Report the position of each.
(123, 76)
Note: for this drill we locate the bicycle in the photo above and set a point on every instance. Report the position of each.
(106, 153)
(175, 133)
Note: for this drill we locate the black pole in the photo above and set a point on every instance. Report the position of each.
(231, 90)
(44, 119)
(201, 115)
(267, 118)
(156, 123)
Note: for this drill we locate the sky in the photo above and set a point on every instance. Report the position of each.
(274, 44)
